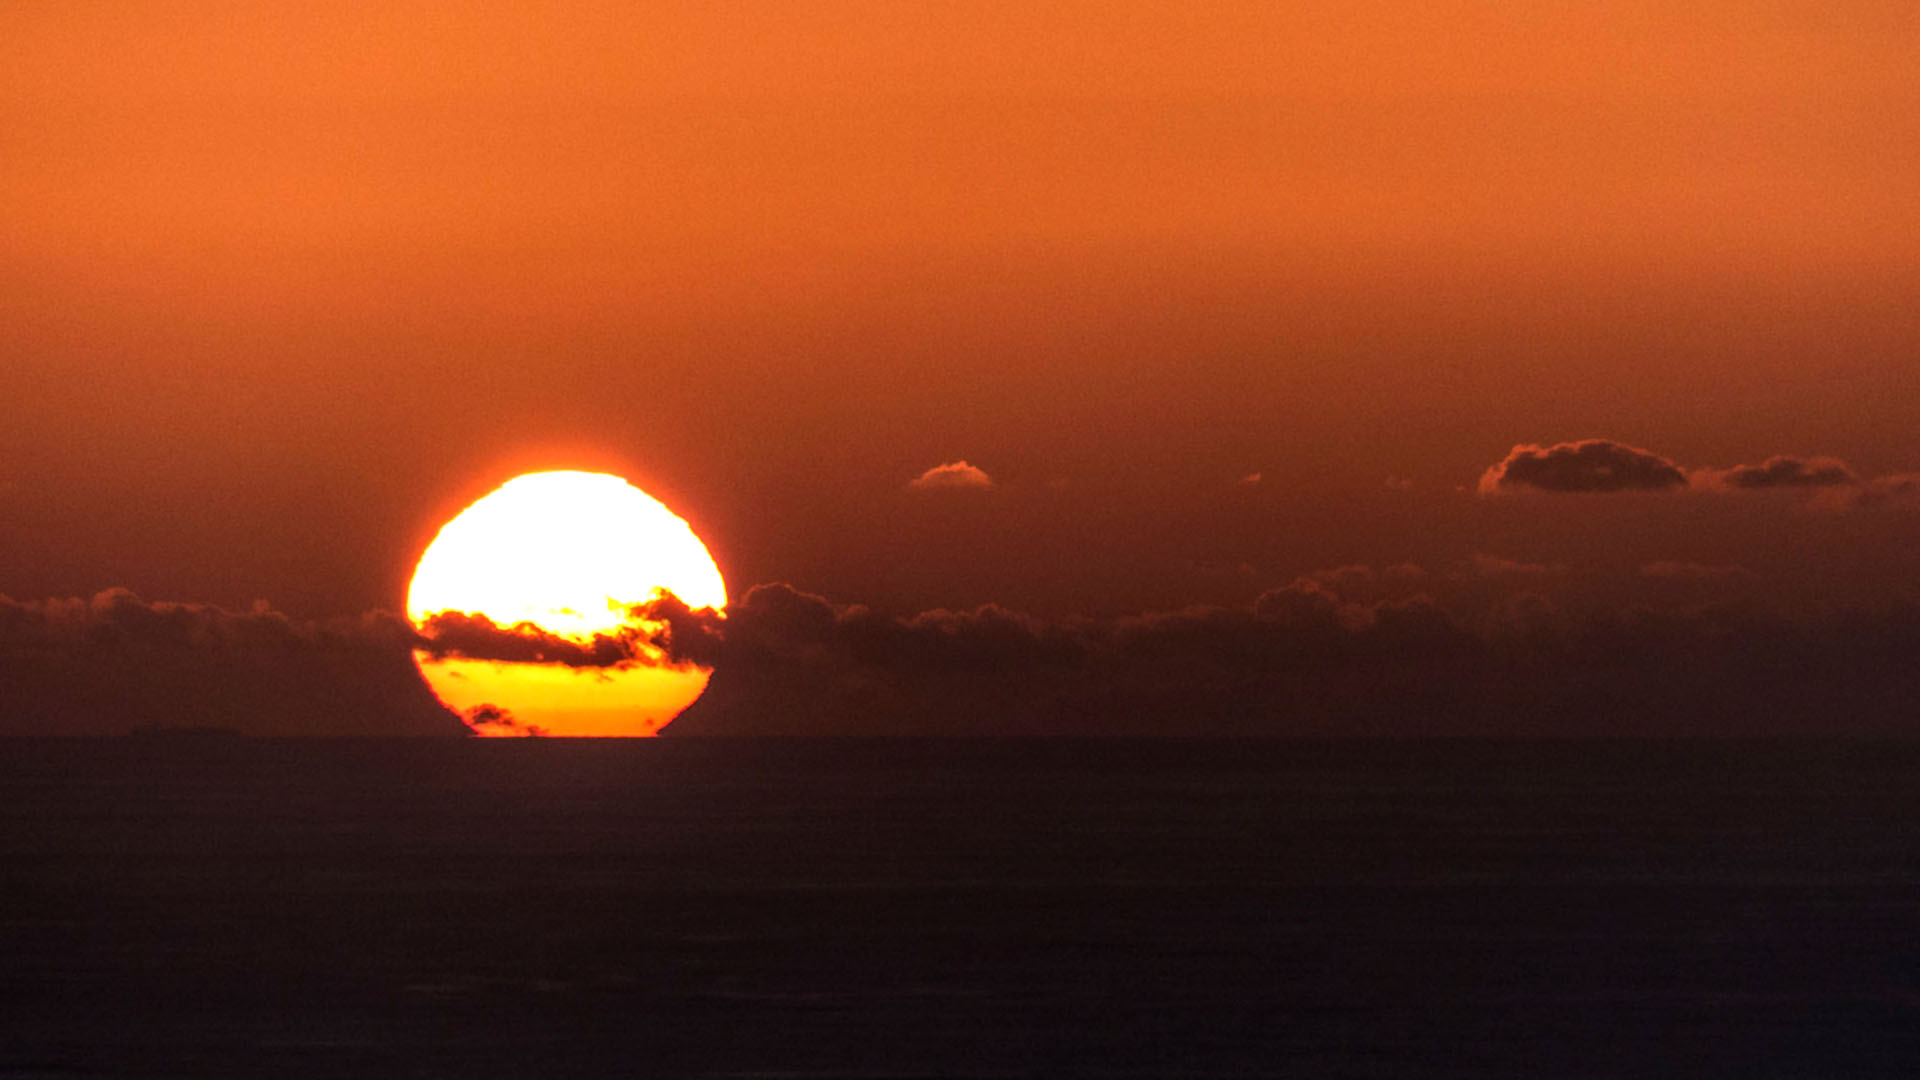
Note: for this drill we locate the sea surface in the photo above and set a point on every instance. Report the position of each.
(958, 908)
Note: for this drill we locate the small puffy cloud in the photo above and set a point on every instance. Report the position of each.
(1833, 483)
(1601, 465)
(1782, 471)
(954, 474)
(1586, 466)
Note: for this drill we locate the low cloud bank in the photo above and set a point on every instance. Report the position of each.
(1349, 652)
(1301, 660)
(115, 662)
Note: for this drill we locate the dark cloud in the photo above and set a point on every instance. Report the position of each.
(1835, 484)
(116, 662)
(1782, 472)
(492, 720)
(1300, 660)
(1601, 465)
(476, 637)
(1590, 465)
(1338, 653)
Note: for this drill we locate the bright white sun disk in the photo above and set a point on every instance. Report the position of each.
(566, 551)
(572, 553)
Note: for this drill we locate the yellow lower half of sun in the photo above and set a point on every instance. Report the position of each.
(571, 702)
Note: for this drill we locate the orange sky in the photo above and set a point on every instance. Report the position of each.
(282, 289)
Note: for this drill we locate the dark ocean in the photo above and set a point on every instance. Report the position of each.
(879, 908)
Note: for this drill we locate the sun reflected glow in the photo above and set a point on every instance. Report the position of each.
(570, 553)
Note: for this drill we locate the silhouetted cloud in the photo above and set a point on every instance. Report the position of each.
(115, 662)
(1302, 659)
(476, 637)
(1348, 651)
(1590, 465)
(1781, 471)
(496, 721)
(954, 474)
(1601, 465)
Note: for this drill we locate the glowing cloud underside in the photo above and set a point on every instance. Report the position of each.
(570, 553)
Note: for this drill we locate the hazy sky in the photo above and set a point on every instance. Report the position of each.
(284, 286)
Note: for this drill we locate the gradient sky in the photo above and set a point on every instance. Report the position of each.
(281, 290)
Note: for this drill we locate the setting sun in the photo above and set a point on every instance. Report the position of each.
(566, 555)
